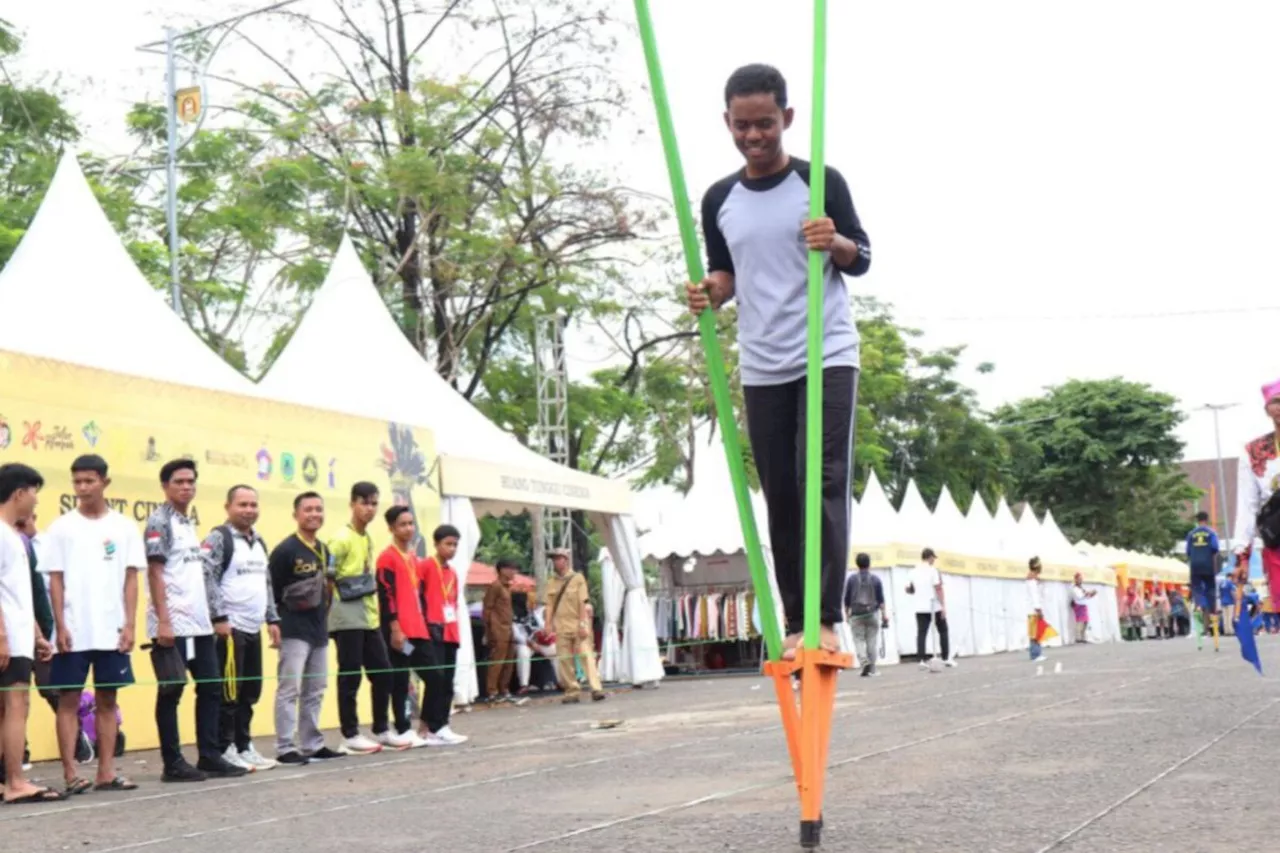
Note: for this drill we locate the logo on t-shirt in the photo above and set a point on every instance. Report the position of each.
(108, 549)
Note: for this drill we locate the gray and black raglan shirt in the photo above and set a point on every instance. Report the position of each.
(753, 230)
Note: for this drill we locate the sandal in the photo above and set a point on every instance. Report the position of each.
(117, 784)
(78, 785)
(40, 795)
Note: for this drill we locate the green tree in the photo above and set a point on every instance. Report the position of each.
(1103, 455)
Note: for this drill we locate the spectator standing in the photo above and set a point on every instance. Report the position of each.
(93, 556)
(21, 643)
(864, 604)
(355, 624)
(402, 601)
(570, 618)
(299, 567)
(931, 607)
(240, 603)
(1035, 610)
(443, 626)
(1080, 607)
(499, 628)
(182, 633)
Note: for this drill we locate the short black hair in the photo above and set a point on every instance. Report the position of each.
(862, 561)
(444, 531)
(1202, 517)
(756, 79)
(15, 477)
(91, 462)
(174, 466)
(306, 496)
(928, 554)
(507, 563)
(363, 490)
(1034, 564)
(231, 492)
(393, 515)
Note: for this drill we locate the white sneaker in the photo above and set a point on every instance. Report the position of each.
(1040, 659)
(233, 758)
(451, 737)
(416, 741)
(924, 665)
(953, 663)
(392, 739)
(255, 759)
(359, 745)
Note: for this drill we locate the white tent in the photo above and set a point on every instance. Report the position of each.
(71, 292)
(875, 521)
(349, 340)
(949, 524)
(915, 519)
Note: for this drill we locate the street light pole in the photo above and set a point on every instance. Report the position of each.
(171, 37)
(171, 167)
(1222, 477)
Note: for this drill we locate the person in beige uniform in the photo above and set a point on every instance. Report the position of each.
(570, 618)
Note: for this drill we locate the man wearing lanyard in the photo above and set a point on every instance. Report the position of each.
(401, 597)
(298, 567)
(182, 633)
(442, 625)
(354, 625)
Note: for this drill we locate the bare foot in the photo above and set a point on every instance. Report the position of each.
(790, 644)
(828, 639)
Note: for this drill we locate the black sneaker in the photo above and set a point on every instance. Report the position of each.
(220, 768)
(293, 757)
(599, 696)
(324, 753)
(183, 772)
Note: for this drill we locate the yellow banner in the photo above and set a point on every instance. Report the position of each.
(51, 412)
(563, 487)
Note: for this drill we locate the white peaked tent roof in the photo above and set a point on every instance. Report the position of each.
(71, 292)
(347, 317)
(914, 517)
(875, 520)
(1030, 539)
(980, 527)
(949, 525)
(704, 521)
(1005, 528)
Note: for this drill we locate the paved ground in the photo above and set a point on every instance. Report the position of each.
(1133, 747)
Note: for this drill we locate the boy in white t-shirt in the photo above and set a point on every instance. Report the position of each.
(931, 607)
(21, 642)
(93, 555)
(1035, 609)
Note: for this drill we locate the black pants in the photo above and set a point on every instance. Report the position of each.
(776, 427)
(405, 667)
(199, 657)
(239, 697)
(922, 634)
(362, 650)
(438, 702)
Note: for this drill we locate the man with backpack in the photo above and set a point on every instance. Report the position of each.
(240, 602)
(865, 609)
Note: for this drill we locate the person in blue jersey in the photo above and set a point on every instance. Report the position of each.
(1202, 555)
(759, 235)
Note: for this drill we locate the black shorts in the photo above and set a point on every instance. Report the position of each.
(17, 672)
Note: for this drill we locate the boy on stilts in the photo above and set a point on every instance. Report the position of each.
(758, 235)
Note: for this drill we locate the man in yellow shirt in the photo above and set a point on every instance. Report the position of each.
(354, 626)
(569, 615)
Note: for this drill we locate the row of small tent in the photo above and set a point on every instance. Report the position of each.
(979, 541)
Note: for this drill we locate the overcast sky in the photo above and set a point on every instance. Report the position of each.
(1079, 189)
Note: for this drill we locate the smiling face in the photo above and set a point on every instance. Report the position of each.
(757, 123)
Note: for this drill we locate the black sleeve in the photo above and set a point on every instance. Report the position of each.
(840, 209)
(718, 257)
(279, 566)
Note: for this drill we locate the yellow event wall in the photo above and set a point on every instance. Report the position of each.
(51, 412)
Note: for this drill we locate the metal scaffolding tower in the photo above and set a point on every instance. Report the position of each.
(553, 427)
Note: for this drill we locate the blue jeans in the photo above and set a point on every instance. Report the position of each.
(1035, 650)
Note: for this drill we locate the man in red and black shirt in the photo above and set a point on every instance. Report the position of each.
(401, 597)
(442, 611)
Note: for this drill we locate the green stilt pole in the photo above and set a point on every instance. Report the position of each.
(813, 402)
(710, 343)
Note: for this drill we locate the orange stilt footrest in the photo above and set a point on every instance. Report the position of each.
(807, 723)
